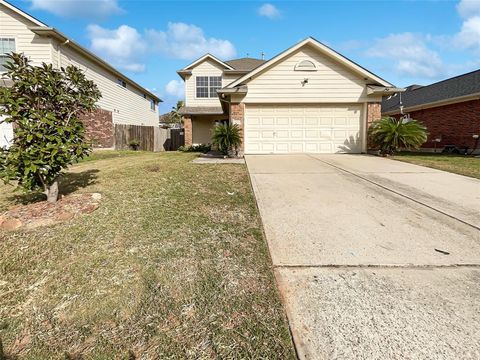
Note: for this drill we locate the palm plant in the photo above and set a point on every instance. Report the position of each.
(226, 137)
(390, 134)
(175, 116)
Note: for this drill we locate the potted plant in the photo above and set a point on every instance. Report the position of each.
(134, 144)
(227, 139)
(389, 135)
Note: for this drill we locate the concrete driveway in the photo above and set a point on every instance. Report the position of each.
(375, 259)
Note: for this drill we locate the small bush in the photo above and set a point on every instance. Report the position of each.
(227, 137)
(390, 135)
(203, 148)
(134, 144)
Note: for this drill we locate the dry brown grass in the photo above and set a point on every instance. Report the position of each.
(170, 266)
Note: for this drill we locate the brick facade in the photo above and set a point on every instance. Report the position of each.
(237, 115)
(455, 124)
(99, 128)
(187, 127)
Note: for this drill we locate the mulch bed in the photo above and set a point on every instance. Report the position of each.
(44, 213)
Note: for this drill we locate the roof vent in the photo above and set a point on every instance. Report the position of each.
(305, 65)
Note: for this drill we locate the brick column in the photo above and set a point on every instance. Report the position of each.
(237, 113)
(187, 128)
(98, 128)
(374, 112)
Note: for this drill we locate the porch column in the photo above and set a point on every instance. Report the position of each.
(187, 128)
(237, 114)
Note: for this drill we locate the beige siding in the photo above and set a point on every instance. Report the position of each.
(331, 83)
(127, 105)
(205, 68)
(37, 48)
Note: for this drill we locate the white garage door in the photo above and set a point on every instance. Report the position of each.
(271, 129)
(6, 133)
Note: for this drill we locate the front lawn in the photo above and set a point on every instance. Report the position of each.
(172, 265)
(458, 164)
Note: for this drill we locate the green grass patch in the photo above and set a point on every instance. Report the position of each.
(458, 164)
(170, 266)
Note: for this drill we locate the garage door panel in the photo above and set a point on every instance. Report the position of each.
(283, 121)
(295, 121)
(319, 128)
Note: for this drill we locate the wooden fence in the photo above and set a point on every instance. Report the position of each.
(151, 138)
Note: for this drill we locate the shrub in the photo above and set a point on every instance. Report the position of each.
(134, 144)
(226, 137)
(390, 135)
(45, 104)
(203, 148)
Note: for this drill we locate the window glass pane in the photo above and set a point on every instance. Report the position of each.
(7, 45)
(202, 92)
(215, 84)
(202, 86)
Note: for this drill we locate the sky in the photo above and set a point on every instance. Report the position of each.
(405, 42)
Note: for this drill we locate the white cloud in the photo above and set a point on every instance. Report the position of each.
(126, 48)
(410, 54)
(186, 42)
(123, 47)
(270, 11)
(469, 35)
(78, 8)
(468, 8)
(175, 88)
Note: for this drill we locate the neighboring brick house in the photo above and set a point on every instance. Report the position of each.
(450, 109)
(307, 99)
(123, 100)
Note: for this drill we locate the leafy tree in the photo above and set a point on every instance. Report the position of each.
(44, 105)
(390, 134)
(175, 116)
(226, 137)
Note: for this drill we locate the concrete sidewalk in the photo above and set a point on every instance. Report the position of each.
(372, 261)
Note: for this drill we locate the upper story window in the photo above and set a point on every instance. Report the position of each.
(305, 65)
(122, 83)
(207, 86)
(152, 104)
(7, 45)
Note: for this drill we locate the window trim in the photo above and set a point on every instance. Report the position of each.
(207, 87)
(15, 38)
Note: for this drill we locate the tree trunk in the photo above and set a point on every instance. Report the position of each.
(52, 192)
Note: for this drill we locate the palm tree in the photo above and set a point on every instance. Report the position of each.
(390, 134)
(175, 113)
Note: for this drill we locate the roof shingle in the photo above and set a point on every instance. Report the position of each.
(415, 95)
(245, 64)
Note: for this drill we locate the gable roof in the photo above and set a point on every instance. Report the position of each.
(44, 30)
(204, 57)
(449, 89)
(245, 64)
(319, 46)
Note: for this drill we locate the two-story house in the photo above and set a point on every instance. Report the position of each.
(308, 98)
(123, 100)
